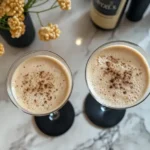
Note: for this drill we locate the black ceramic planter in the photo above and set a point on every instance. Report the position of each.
(26, 39)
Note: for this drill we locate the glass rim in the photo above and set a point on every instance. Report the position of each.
(105, 44)
(13, 68)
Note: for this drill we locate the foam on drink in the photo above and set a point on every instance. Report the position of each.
(118, 76)
(41, 84)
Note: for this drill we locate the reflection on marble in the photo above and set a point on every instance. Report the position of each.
(78, 40)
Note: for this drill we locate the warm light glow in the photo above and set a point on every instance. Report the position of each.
(79, 41)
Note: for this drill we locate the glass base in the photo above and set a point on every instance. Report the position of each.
(106, 117)
(58, 126)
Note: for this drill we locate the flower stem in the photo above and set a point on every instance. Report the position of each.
(4, 28)
(54, 4)
(29, 5)
(3, 23)
(40, 4)
(52, 7)
(39, 18)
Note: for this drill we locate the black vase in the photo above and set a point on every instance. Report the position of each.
(26, 39)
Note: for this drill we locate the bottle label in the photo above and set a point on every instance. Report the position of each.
(107, 7)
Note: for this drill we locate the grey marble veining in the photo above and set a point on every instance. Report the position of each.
(17, 130)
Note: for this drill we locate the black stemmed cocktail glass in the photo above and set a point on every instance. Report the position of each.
(100, 114)
(61, 118)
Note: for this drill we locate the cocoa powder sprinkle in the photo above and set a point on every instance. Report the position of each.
(38, 87)
(118, 79)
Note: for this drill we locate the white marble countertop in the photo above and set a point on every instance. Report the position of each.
(17, 131)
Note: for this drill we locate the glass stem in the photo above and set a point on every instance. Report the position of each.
(54, 115)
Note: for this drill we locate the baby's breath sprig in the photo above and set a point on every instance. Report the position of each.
(64, 4)
(12, 15)
(49, 32)
(1, 49)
